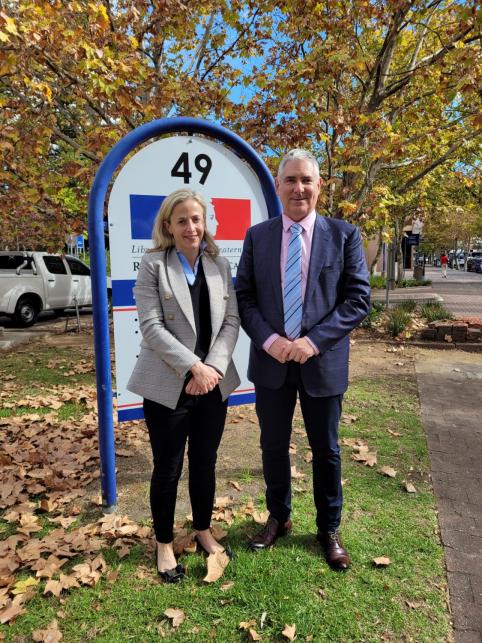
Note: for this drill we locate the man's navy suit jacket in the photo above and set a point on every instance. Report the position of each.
(337, 298)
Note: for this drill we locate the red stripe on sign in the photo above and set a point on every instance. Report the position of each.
(233, 217)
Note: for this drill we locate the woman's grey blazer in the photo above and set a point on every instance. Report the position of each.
(166, 320)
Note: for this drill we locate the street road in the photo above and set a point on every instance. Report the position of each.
(461, 291)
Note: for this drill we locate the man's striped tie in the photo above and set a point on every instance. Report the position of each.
(293, 302)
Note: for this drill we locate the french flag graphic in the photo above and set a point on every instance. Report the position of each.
(227, 219)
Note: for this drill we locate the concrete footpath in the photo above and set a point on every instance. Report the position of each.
(450, 389)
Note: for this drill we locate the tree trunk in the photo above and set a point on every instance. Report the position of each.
(377, 256)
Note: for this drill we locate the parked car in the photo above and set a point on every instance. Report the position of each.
(31, 282)
(456, 260)
(473, 264)
(474, 260)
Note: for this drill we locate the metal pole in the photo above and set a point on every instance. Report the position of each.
(388, 273)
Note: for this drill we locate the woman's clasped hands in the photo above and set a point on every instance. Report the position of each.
(204, 379)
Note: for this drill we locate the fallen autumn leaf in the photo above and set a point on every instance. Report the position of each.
(216, 563)
(177, 616)
(289, 632)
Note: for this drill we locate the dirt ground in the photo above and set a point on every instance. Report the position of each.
(239, 473)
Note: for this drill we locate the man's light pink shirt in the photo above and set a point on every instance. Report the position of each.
(308, 225)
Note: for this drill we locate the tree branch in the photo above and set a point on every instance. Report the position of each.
(453, 148)
(202, 46)
(231, 47)
(70, 141)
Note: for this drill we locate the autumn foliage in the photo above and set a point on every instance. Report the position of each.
(385, 93)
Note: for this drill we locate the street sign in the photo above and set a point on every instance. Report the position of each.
(235, 202)
(230, 149)
(80, 241)
(412, 239)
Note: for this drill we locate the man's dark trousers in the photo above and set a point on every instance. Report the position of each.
(321, 415)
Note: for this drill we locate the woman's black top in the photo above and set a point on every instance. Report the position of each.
(202, 313)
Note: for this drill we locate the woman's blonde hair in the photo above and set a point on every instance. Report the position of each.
(162, 239)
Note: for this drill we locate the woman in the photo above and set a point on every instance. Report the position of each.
(189, 322)
(443, 263)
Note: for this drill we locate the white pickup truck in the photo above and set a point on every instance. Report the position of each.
(34, 281)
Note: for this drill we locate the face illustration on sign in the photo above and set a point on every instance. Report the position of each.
(226, 219)
(211, 221)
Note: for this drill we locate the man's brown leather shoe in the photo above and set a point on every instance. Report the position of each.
(269, 534)
(335, 554)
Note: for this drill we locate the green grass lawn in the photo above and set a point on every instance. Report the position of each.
(290, 584)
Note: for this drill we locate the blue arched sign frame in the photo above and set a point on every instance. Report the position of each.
(97, 198)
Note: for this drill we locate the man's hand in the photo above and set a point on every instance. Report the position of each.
(280, 348)
(300, 350)
(204, 379)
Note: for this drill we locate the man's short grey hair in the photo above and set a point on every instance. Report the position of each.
(298, 155)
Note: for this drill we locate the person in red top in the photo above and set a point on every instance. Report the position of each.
(443, 262)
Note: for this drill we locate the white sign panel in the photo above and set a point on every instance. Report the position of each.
(235, 202)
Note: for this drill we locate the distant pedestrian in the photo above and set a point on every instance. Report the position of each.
(443, 263)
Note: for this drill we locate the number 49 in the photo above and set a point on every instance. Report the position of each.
(202, 163)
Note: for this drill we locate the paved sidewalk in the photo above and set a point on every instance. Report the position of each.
(450, 388)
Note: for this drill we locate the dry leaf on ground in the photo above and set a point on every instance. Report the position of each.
(113, 575)
(235, 484)
(227, 585)
(354, 442)
(24, 586)
(387, 471)
(223, 501)
(183, 542)
(409, 487)
(245, 625)
(369, 458)
(297, 475)
(394, 434)
(253, 635)
(414, 605)
(11, 611)
(218, 532)
(346, 418)
(260, 517)
(177, 616)
(289, 632)
(216, 563)
(51, 634)
(382, 561)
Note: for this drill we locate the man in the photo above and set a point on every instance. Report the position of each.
(302, 286)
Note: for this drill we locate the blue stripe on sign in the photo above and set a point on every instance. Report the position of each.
(124, 415)
(242, 398)
(144, 208)
(122, 294)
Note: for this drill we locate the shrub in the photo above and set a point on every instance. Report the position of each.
(374, 314)
(377, 281)
(409, 305)
(410, 283)
(434, 311)
(397, 320)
